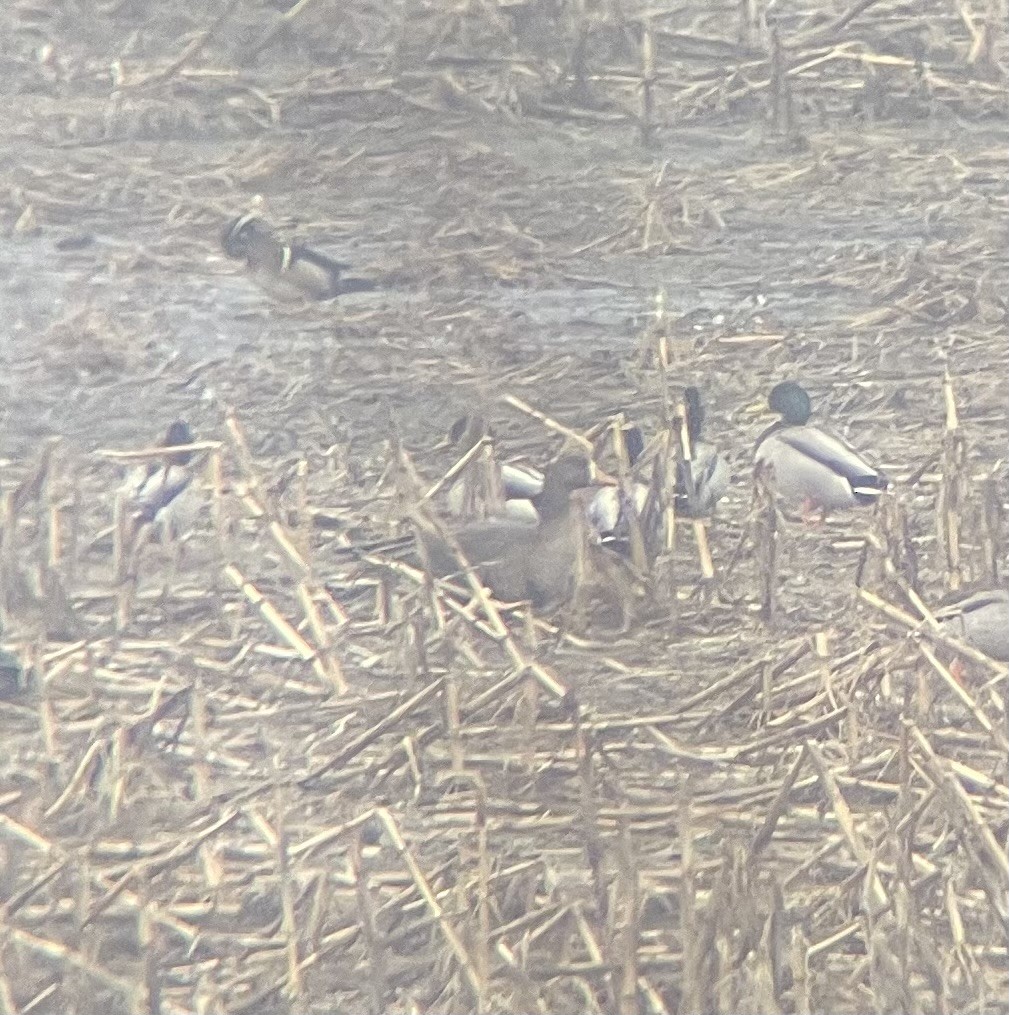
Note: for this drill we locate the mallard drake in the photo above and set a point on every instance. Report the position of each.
(156, 493)
(979, 618)
(811, 467)
(518, 561)
(700, 483)
(607, 511)
(520, 485)
(289, 265)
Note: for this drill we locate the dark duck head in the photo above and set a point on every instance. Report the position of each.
(700, 483)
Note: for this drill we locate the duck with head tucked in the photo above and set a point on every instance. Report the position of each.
(288, 268)
(518, 485)
(156, 493)
(812, 468)
(518, 561)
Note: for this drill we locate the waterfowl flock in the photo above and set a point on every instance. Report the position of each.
(515, 523)
(518, 528)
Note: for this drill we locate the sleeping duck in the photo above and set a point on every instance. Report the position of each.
(700, 483)
(519, 487)
(518, 561)
(811, 467)
(287, 268)
(156, 492)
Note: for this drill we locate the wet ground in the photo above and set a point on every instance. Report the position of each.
(521, 234)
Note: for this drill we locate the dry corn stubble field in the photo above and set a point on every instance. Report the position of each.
(264, 777)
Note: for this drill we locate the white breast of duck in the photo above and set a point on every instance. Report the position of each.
(607, 512)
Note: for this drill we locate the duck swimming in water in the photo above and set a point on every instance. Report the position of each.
(291, 267)
(518, 561)
(519, 485)
(155, 493)
(700, 483)
(811, 467)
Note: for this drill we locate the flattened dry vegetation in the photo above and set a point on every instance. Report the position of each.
(264, 766)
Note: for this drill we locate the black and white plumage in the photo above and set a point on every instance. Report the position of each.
(159, 493)
(813, 468)
(288, 268)
(607, 512)
(518, 486)
(702, 482)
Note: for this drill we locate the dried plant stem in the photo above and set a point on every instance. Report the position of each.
(547, 421)
(276, 620)
(472, 977)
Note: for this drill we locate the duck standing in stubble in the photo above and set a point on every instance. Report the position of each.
(608, 511)
(288, 268)
(156, 493)
(813, 469)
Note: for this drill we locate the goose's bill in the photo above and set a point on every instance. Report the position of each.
(600, 478)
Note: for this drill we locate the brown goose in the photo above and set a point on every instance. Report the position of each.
(518, 561)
